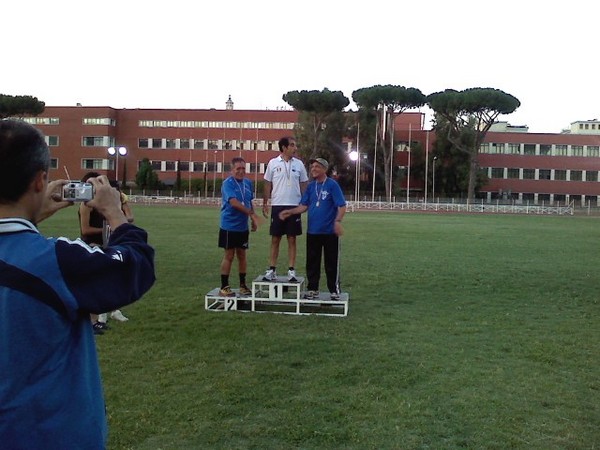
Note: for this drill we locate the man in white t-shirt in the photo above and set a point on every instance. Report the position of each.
(284, 183)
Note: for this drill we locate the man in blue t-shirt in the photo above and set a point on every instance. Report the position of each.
(237, 192)
(326, 207)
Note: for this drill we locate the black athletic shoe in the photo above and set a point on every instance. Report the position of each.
(97, 329)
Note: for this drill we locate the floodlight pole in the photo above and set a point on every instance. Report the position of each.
(215, 174)
(433, 181)
(116, 151)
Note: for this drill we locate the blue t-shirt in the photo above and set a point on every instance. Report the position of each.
(243, 191)
(323, 201)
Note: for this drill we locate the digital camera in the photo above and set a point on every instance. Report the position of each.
(77, 191)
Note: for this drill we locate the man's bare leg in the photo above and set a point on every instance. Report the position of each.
(275, 240)
(291, 251)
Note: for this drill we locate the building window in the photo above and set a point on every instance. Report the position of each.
(485, 148)
(227, 145)
(513, 149)
(156, 165)
(199, 144)
(545, 149)
(497, 172)
(529, 149)
(99, 121)
(95, 141)
(52, 141)
(42, 120)
(560, 150)
(544, 174)
(213, 144)
(184, 166)
(170, 166)
(199, 166)
(528, 196)
(576, 175)
(184, 143)
(512, 173)
(156, 143)
(92, 164)
(577, 150)
(591, 175)
(143, 143)
(529, 174)
(560, 175)
(170, 143)
(593, 151)
(54, 163)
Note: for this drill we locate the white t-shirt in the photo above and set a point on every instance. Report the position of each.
(286, 178)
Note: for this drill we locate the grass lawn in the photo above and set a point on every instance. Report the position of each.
(464, 331)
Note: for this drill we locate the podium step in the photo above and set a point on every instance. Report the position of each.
(279, 296)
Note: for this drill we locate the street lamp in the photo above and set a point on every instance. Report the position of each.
(116, 151)
(215, 175)
(408, 177)
(433, 181)
(354, 157)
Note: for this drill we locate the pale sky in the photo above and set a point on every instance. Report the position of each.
(195, 53)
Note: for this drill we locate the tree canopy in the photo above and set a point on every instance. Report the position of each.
(386, 101)
(146, 178)
(320, 122)
(471, 112)
(396, 98)
(20, 105)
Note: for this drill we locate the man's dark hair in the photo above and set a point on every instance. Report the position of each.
(23, 153)
(285, 142)
(237, 159)
(89, 175)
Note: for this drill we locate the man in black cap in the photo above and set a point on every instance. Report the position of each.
(326, 207)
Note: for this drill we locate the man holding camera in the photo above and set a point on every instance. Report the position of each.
(50, 387)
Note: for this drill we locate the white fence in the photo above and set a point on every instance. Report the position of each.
(481, 207)
(464, 207)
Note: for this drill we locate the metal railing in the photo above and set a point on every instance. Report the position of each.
(476, 207)
(481, 207)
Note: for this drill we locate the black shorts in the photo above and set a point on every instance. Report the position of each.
(292, 226)
(233, 239)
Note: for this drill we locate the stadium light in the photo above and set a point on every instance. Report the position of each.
(116, 152)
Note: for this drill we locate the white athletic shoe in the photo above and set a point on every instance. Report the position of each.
(292, 275)
(118, 315)
(270, 275)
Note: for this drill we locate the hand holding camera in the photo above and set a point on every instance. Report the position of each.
(107, 201)
(77, 191)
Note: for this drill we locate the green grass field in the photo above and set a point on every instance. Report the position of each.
(464, 331)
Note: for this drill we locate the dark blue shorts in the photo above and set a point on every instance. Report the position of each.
(233, 239)
(292, 226)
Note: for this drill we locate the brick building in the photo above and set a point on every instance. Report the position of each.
(522, 166)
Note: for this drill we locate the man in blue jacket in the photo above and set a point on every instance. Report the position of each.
(50, 387)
